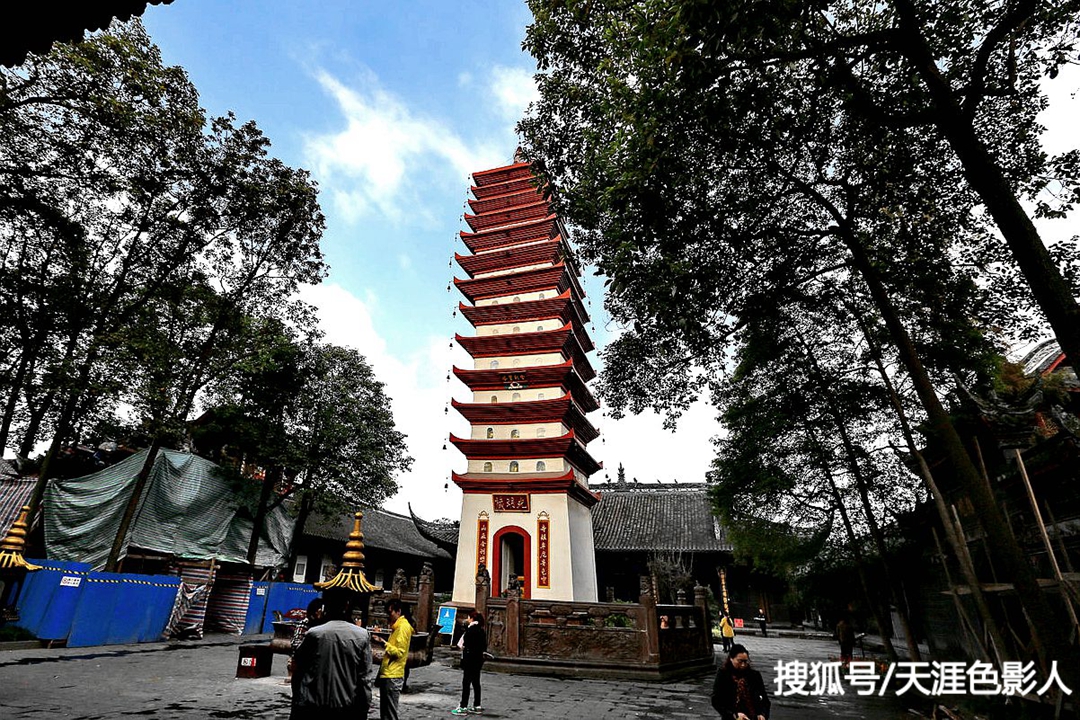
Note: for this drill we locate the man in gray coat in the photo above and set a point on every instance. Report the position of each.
(333, 672)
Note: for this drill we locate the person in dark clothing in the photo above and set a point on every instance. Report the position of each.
(313, 617)
(333, 669)
(473, 650)
(739, 690)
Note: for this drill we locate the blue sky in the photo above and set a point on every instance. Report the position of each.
(391, 106)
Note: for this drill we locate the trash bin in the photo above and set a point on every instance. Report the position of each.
(256, 661)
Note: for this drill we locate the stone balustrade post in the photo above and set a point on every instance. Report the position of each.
(652, 622)
(425, 601)
(483, 592)
(513, 626)
(701, 602)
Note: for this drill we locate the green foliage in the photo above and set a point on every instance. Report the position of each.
(671, 574)
(142, 246)
(10, 633)
(314, 413)
(618, 620)
(784, 205)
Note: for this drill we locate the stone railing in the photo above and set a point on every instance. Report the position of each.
(633, 640)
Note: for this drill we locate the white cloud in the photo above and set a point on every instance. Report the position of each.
(385, 147)
(513, 89)
(650, 453)
(420, 393)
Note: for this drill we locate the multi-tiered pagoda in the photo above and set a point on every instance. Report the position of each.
(526, 509)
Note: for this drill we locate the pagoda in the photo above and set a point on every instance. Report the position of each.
(526, 512)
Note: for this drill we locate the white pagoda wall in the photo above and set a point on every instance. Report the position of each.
(572, 564)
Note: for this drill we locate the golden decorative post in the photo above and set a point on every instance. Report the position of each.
(13, 567)
(351, 575)
(13, 544)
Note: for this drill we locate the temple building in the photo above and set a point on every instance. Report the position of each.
(525, 513)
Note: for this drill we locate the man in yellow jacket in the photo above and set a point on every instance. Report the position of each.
(392, 668)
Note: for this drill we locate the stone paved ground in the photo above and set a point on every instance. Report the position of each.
(196, 680)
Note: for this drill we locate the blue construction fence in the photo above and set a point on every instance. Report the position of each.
(268, 597)
(66, 601)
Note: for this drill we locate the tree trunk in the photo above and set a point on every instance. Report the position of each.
(16, 384)
(113, 562)
(1049, 288)
(860, 561)
(1002, 543)
(270, 481)
(952, 536)
(861, 486)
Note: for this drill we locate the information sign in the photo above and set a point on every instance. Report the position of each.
(447, 616)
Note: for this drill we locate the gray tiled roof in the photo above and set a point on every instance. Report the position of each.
(660, 517)
(382, 530)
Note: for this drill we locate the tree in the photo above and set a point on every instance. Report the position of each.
(712, 164)
(150, 238)
(316, 421)
(807, 425)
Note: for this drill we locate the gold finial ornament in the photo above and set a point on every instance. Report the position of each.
(351, 574)
(13, 544)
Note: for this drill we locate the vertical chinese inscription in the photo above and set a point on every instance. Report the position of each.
(482, 540)
(543, 578)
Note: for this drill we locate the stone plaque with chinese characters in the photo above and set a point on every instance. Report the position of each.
(510, 503)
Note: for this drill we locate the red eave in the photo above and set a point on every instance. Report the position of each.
(556, 278)
(1054, 365)
(562, 375)
(556, 410)
(549, 252)
(505, 173)
(526, 482)
(522, 343)
(509, 216)
(562, 340)
(506, 187)
(542, 229)
(564, 306)
(491, 203)
(565, 446)
(509, 449)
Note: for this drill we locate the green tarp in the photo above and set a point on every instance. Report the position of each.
(188, 509)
